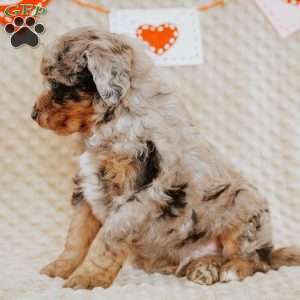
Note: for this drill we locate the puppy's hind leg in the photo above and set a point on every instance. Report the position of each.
(239, 268)
(247, 247)
(82, 231)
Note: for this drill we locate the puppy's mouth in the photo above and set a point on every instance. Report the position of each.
(40, 119)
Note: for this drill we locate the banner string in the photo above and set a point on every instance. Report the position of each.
(93, 6)
(101, 9)
(211, 4)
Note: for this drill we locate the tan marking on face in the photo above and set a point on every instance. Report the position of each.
(67, 118)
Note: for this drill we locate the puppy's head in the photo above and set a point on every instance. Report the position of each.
(88, 72)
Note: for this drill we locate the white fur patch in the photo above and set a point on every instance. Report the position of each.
(229, 275)
(91, 185)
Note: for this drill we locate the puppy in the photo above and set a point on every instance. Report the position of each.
(150, 189)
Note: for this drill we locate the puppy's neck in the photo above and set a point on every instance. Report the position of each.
(121, 129)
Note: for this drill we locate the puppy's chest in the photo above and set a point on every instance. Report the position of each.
(118, 173)
(106, 175)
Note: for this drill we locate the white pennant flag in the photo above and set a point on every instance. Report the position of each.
(171, 36)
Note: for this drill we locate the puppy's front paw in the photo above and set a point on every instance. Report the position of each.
(87, 281)
(62, 268)
(204, 271)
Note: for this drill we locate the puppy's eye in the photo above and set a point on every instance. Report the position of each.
(62, 93)
(59, 90)
(74, 96)
(85, 81)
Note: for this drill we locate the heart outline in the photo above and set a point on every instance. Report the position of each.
(159, 38)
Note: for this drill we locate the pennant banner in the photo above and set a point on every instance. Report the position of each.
(171, 36)
(283, 14)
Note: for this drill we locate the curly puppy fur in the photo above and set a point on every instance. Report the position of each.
(150, 189)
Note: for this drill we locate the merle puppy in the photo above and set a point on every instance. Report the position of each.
(150, 189)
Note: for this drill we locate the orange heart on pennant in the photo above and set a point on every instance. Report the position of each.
(159, 38)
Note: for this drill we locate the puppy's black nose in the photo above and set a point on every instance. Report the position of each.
(34, 115)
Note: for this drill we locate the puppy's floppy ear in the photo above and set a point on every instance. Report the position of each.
(111, 72)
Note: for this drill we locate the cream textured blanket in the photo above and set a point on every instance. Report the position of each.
(246, 98)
